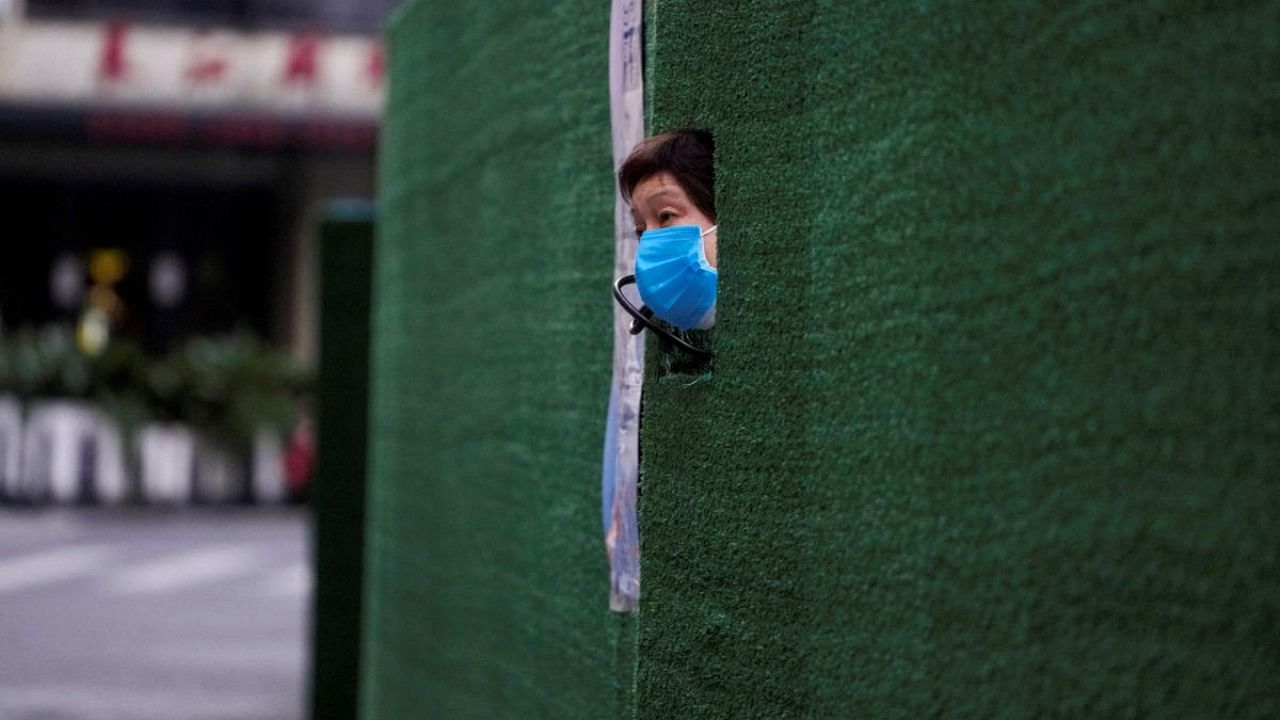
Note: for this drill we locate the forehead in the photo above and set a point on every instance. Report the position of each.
(658, 186)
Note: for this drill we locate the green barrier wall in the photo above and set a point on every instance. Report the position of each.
(487, 595)
(992, 429)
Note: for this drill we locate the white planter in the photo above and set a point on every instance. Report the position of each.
(219, 474)
(57, 443)
(10, 446)
(167, 454)
(110, 481)
(268, 467)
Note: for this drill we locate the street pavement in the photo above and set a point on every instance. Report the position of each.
(142, 614)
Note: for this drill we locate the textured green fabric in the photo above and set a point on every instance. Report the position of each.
(487, 595)
(992, 430)
(338, 495)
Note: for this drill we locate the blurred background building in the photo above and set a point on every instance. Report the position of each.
(167, 169)
(164, 163)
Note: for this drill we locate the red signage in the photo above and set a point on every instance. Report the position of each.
(210, 61)
(113, 66)
(302, 66)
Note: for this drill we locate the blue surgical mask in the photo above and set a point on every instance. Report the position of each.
(674, 278)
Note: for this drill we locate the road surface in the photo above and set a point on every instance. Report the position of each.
(184, 614)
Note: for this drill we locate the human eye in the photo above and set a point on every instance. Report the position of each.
(666, 216)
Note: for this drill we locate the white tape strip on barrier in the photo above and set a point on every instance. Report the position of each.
(622, 429)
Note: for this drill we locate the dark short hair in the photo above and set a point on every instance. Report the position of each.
(687, 154)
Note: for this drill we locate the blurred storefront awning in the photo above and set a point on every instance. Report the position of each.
(118, 83)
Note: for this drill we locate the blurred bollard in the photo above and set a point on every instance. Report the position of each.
(267, 481)
(10, 446)
(338, 495)
(167, 454)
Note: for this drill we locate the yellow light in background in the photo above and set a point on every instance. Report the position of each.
(108, 266)
(104, 299)
(93, 332)
(104, 307)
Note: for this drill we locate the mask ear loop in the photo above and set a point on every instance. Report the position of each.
(643, 319)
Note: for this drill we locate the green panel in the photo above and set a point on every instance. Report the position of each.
(338, 495)
(487, 595)
(992, 430)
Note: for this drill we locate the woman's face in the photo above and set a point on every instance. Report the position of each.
(658, 201)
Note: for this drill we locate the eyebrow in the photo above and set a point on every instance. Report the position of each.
(635, 214)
